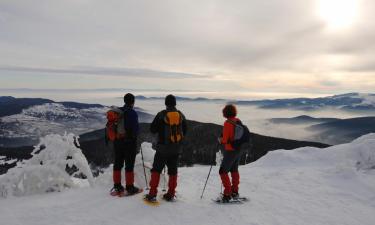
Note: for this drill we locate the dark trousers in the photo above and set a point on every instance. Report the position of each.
(230, 161)
(125, 151)
(163, 159)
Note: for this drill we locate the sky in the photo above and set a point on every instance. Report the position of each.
(275, 48)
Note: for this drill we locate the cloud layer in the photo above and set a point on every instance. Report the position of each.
(241, 45)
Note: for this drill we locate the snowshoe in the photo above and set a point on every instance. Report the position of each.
(151, 200)
(227, 199)
(236, 196)
(118, 190)
(132, 190)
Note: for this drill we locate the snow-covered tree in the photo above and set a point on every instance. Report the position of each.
(56, 163)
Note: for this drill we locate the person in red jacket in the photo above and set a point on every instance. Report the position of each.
(231, 155)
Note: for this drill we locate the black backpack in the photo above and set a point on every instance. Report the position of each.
(241, 134)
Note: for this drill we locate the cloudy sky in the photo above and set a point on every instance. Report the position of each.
(240, 47)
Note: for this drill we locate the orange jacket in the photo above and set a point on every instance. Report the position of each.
(228, 134)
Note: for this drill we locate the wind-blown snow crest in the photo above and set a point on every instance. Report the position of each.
(359, 154)
(48, 169)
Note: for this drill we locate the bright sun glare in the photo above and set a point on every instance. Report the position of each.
(338, 13)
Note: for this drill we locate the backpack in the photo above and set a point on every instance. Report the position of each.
(173, 127)
(241, 134)
(115, 127)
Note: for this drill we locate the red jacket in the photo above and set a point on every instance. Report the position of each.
(228, 134)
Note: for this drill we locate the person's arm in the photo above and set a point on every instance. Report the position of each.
(226, 133)
(154, 127)
(136, 124)
(184, 124)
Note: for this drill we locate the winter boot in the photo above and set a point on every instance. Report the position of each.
(235, 195)
(117, 190)
(168, 197)
(225, 198)
(150, 198)
(172, 184)
(130, 188)
(235, 183)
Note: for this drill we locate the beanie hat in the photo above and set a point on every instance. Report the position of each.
(170, 100)
(129, 99)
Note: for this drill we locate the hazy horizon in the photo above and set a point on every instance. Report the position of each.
(71, 94)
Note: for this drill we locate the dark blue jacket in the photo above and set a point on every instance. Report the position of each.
(131, 122)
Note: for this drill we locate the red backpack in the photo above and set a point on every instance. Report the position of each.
(115, 127)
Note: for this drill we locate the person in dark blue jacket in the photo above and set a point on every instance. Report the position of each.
(126, 149)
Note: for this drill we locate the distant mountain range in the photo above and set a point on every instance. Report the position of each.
(179, 98)
(348, 102)
(341, 131)
(301, 120)
(24, 120)
(332, 130)
(11, 106)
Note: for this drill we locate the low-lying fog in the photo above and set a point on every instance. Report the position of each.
(256, 118)
(210, 111)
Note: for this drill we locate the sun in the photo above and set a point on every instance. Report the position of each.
(338, 14)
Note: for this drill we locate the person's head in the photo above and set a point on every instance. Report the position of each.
(129, 99)
(229, 111)
(170, 101)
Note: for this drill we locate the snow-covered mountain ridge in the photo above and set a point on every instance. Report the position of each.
(313, 186)
(348, 102)
(38, 120)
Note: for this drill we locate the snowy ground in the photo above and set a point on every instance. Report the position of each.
(305, 186)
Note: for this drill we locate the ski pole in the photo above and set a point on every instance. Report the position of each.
(208, 176)
(144, 168)
(204, 188)
(164, 189)
(221, 184)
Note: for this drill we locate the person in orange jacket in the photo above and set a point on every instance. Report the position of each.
(231, 155)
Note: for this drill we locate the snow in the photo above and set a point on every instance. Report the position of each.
(303, 186)
(46, 170)
(368, 99)
(40, 120)
(3, 161)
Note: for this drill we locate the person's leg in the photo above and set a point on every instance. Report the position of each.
(235, 175)
(130, 154)
(172, 164)
(226, 165)
(118, 162)
(157, 167)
